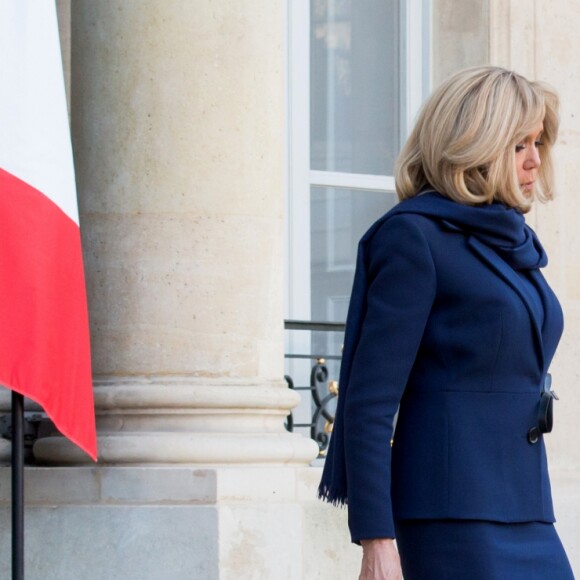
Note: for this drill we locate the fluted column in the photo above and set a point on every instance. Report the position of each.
(178, 132)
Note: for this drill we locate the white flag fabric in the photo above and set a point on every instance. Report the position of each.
(44, 330)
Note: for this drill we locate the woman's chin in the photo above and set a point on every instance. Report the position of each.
(527, 189)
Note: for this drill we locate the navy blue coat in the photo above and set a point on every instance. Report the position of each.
(451, 320)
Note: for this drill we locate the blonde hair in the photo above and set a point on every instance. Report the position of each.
(463, 143)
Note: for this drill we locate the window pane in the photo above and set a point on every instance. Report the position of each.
(339, 218)
(354, 82)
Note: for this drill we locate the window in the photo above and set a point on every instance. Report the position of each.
(358, 72)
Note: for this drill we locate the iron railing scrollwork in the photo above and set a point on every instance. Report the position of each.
(322, 390)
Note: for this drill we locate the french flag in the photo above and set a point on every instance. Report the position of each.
(44, 327)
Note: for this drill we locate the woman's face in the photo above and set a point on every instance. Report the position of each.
(528, 159)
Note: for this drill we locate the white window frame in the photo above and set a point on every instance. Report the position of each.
(416, 82)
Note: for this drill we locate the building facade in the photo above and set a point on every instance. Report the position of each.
(214, 163)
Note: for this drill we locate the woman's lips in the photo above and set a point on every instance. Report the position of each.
(527, 186)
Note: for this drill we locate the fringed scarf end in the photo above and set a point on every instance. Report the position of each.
(332, 496)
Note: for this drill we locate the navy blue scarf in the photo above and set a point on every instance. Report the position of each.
(496, 225)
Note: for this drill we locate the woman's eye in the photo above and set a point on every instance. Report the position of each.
(522, 146)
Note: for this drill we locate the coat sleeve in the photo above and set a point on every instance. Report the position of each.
(401, 289)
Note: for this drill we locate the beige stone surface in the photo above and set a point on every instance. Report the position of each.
(157, 485)
(233, 449)
(460, 36)
(181, 293)
(178, 128)
(180, 522)
(260, 541)
(513, 41)
(328, 525)
(566, 492)
(164, 420)
(191, 103)
(121, 542)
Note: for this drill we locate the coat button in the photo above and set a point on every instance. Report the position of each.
(533, 435)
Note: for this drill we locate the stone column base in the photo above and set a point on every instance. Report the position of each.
(182, 419)
(183, 523)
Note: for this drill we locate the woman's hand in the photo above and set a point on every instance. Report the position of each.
(380, 560)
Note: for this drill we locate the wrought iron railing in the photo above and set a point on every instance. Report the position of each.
(323, 386)
(33, 422)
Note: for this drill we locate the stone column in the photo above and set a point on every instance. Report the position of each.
(178, 132)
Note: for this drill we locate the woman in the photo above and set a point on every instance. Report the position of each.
(452, 323)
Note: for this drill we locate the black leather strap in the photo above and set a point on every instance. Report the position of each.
(545, 412)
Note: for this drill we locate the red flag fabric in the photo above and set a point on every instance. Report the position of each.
(44, 329)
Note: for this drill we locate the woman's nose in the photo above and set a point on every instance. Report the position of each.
(533, 158)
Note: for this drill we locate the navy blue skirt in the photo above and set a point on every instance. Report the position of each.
(480, 550)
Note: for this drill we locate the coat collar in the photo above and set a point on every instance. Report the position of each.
(511, 277)
(553, 316)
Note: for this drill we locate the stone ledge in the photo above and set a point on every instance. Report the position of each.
(122, 394)
(161, 485)
(182, 522)
(201, 449)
